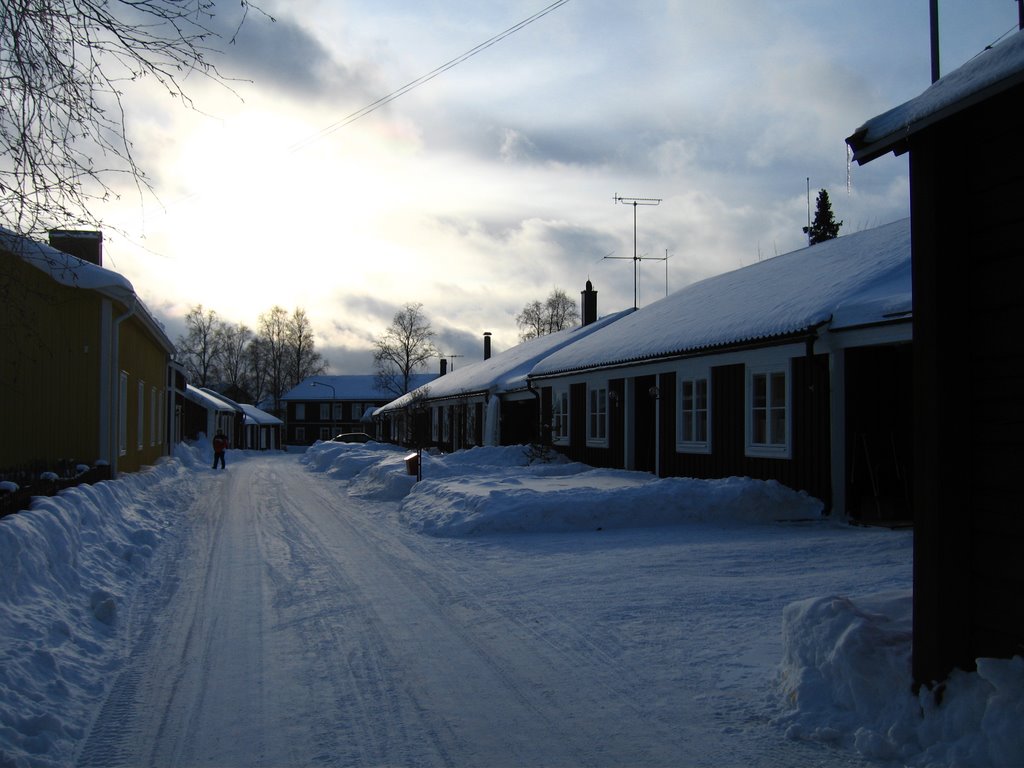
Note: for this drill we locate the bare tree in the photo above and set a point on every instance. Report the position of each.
(64, 69)
(302, 358)
(273, 334)
(199, 348)
(232, 344)
(405, 346)
(256, 369)
(556, 313)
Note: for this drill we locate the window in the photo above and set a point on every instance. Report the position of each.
(141, 414)
(560, 417)
(768, 412)
(597, 415)
(122, 415)
(152, 415)
(336, 409)
(325, 433)
(325, 411)
(693, 434)
(300, 434)
(300, 411)
(356, 409)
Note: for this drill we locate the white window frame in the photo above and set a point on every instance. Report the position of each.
(689, 443)
(122, 415)
(597, 415)
(781, 446)
(153, 403)
(325, 434)
(325, 411)
(300, 411)
(336, 412)
(141, 415)
(560, 416)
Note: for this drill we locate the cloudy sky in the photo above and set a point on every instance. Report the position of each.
(494, 182)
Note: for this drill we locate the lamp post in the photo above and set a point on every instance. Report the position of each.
(334, 396)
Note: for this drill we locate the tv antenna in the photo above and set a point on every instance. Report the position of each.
(452, 357)
(634, 201)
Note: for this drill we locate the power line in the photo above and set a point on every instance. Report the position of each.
(360, 113)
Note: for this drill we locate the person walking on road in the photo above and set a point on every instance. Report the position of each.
(220, 445)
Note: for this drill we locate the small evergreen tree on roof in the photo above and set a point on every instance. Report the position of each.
(824, 227)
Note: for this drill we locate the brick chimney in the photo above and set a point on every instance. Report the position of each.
(86, 245)
(487, 345)
(589, 301)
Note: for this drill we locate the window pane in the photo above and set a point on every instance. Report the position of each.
(757, 427)
(688, 426)
(778, 427)
(702, 394)
(759, 384)
(778, 390)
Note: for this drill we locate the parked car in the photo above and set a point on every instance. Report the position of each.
(352, 437)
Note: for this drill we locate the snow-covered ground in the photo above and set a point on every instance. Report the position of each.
(586, 615)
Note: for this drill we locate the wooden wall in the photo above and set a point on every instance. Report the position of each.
(966, 218)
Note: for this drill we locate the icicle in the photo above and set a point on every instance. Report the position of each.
(849, 165)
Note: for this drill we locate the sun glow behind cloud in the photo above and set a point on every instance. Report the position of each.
(491, 185)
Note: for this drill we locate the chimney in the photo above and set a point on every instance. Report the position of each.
(444, 366)
(487, 345)
(589, 299)
(88, 246)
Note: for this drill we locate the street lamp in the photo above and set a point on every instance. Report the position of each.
(334, 396)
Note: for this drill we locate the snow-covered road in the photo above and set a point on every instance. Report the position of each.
(296, 625)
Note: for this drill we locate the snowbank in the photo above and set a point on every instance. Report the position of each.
(845, 680)
(501, 489)
(69, 568)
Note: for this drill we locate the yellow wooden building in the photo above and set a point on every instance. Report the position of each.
(84, 377)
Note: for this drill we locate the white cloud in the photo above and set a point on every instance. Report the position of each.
(489, 185)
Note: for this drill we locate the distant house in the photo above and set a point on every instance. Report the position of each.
(795, 369)
(966, 169)
(324, 406)
(86, 375)
(263, 431)
(206, 412)
(488, 402)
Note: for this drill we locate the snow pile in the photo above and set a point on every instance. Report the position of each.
(504, 489)
(70, 566)
(593, 500)
(845, 678)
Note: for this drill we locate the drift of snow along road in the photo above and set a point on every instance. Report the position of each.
(331, 610)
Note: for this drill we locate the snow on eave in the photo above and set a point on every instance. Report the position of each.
(993, 71)
(504, 372)
(207, 400)
(74, 272)
(775, 301)
(257, 416)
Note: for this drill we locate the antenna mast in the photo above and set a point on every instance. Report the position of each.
(634, 201)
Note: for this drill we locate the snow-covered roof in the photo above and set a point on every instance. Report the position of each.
(506, 371)
(989, 73)
(74, 272)
(356, 387)
(857, 279)
(254, 415)
(209, 400)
